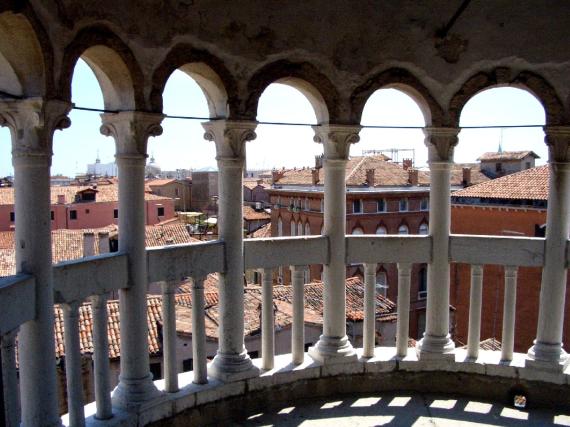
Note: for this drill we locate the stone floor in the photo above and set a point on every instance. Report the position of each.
(404, 410)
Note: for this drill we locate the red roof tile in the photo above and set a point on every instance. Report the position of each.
(506, 155)
(250, 214)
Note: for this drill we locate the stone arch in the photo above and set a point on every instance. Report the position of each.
(209, 72)
(304, 77)
(114, 65)
(26, 56)
(405, 81)
(533, 83)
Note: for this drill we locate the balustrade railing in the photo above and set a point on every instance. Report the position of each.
(93, 278)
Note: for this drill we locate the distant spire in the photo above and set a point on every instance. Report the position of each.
(97, 160)
(152, 157)
(500, 150)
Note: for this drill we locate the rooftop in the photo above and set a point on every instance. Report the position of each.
(506, 155)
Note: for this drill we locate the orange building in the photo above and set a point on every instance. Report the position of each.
(514, 205)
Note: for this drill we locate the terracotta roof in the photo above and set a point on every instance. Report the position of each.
(250, 214)
(159, 182)
(251, 183)
(506, 156)
(108, 192)
(530, 184)
(489, 344)
(477, 176)
(264, 231)
(314, 294)
(168, 234)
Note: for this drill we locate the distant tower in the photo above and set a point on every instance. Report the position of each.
(500, 150)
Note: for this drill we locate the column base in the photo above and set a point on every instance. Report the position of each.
(232, 367)
(547, 357)
(131, 394)
(435, 348)
(330, 350)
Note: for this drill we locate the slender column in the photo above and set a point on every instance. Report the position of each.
(547, 351)
(333, 345)
(403, 325)
(267, 320)
(10, 380)
(298, 332)
(169, 336)
(509, 307)
(437, 342)
(73, 364)
(32, 123)
(199, 332)
(232, 361)
(475, 301)
(131, 131)
(101, 370)
(369, 332)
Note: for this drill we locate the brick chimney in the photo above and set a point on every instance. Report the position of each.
(88, 244)
(407, 164)
(315, 176)
(413, 176)
(370, 177)
(61, 199)
(466, 177)
(103, 242)
(276, 175)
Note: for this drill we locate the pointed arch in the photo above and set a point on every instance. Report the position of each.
(403, 80)
(113, 63)
(209, 72)
(304, 77)
(533, 83)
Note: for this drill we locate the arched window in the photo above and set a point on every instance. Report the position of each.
(422, 283)
(403, 229)
(293, 227)
(279, 227)
(423, 228)
(307, 229)
(357, 231)
(381, 230)
(299, 228)
(382, 283)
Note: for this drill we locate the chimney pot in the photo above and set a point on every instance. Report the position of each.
(413, 176)
(315, 176)
(103, 242)
(61, 199)
(466, 177)
(370, 177)
(88, 244)
(407, 164)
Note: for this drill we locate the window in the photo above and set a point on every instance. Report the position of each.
(293, 227)
(115, 213)
(176, 192)
(423, 229)
(381, 230)
(299, 228)
(422, 283)
(403, 229)
(156, 371)
(52, 215)
(357, 231)
(527, 165)
(160, 211)
(382, 283)
(187, 365)
(87, 211)
(357, 206)
(498, 167)
(307, 206)
(279, 227)
(253, 354)
(73, 214)
(12, 217)
(403, 205)
(307, 229)
(381, 205)
(424, 204)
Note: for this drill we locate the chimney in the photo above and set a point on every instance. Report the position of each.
(61, 199)
(318, 162)
(466, 177)
(315, 176)
(407, 164)
(370, 177)
(103, 242)
(413, 176)
(88, 244)
(276, 175)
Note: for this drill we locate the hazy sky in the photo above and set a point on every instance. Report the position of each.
(182, 145)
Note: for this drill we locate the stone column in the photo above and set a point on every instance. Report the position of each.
(32, 123)
(547, 352)
(232, 361)
(437, 342)
(131, 131)
(333, 345)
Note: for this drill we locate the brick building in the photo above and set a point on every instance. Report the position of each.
(514, 205)
(180, 190)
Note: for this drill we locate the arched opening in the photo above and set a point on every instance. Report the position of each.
(356, 231)
(381, 229)
(403, 229)
(497, 106)
(423, 229)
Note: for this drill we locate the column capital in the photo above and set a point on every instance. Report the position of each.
(230, 137)
(557, 138)
(441, 142)
(131, 130)
(32, 122)
(336, 139)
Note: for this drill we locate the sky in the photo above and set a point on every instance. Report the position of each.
(182, 145)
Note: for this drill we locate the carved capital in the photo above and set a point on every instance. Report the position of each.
(336, 139)
(440, 143)
(131, 130)
(557, 138)
(32, 123)
(230, 137)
